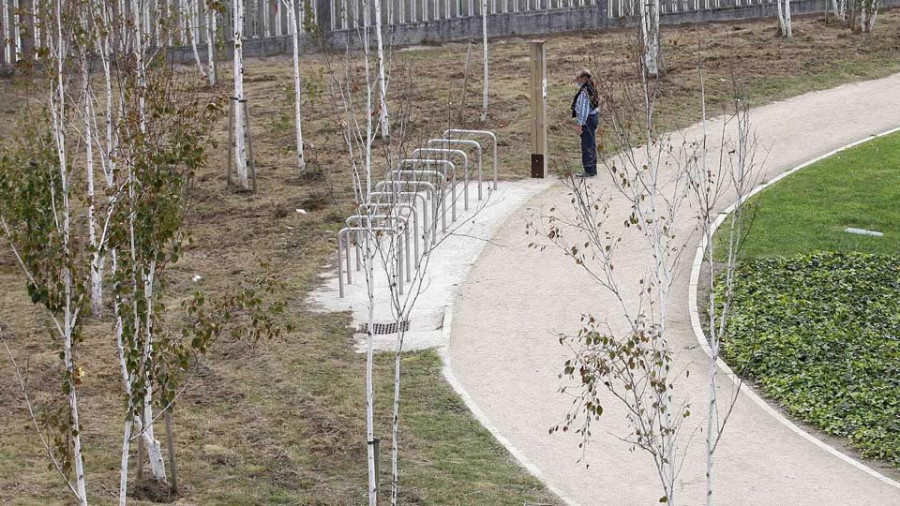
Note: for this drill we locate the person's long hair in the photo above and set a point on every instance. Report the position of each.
(593, 95)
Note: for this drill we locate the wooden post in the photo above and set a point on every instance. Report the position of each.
(462, 102)
(170, 446)
(139, 471)
(251, 164)
(538, 91)
(230, 141)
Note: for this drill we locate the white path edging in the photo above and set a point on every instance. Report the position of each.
(702, 340)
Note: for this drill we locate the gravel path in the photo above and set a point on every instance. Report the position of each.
(505, 353)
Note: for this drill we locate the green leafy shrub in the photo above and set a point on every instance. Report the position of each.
(820, 333)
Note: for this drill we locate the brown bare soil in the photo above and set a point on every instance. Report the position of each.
(281, 422)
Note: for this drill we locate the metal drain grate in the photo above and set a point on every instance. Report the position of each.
(380, 329)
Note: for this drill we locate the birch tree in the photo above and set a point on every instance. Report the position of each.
(359, 136)
(4, 34)
(784, 19)
(84, 44)
(240, 149)
(356, 102)
(36, 213)
(650, 36)
(213, 8)
(17, 30)
(191, 17)
(732, 171)
(295, 36)
(382, 80)
(867, 13)
(484, 43)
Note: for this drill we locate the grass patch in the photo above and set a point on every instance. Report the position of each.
(808, 211)
(816, 311)
(820, 334)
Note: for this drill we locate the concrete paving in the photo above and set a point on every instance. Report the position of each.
(505, 355)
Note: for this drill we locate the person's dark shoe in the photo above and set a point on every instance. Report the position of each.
(584, 175)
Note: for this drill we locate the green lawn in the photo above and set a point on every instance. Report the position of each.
(816, 310)
(809, 210)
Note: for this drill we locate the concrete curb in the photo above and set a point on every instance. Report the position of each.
(703, 342)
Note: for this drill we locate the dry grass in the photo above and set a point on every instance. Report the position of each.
(281, 422)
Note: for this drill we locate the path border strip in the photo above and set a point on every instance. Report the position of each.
(450, 377)
(704, 343)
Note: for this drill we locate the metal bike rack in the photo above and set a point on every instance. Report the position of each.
(448, 153)
(402, 242)
(428, 162)
(393, 197)
(439, 175)
(480, 133)
(462, 142)
(392, 208)
(395, 206)
(344, 237)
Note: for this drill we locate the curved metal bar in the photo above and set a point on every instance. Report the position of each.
(400, 205)
(400, 244)
(440, 175)
(449, 152)
(343, 236)
(444, 163)
(481, 133)
(462, 142)
(413, 196)
(430, 190)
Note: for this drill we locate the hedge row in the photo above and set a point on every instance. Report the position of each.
(820, 333)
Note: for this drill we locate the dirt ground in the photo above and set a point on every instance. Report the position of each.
(281, 421)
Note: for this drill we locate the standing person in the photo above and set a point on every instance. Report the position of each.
(585, 107)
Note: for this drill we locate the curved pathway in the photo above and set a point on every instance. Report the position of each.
(505, 354)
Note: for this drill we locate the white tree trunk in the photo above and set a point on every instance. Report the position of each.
(295, 35)
(96, 246)
(70, 368)
(788, 29)
(58, 117)
(141, 71)
(370, 356)
(382, 81)
(5, 36)
(211, 16)
(126, 382)
(279, 10)
(872, 17)
(650, 34)
(239, 144)
(35, 16)
(484, 41)
(191, 18)
(370, 274)
(123, 467)
(395, 422)
(104, 51)
(154, 448)
(17, 33)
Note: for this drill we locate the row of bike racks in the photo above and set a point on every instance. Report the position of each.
(407, 206)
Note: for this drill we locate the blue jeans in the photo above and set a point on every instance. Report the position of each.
(589, 145)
